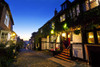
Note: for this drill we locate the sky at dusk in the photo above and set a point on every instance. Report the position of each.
(30, 15)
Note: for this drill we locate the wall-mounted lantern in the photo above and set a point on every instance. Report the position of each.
(65, 26)
(63, 34)
(52, 31)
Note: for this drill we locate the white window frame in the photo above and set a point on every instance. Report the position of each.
(6, 22)
(78, 9)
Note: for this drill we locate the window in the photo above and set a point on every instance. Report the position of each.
(4, 37)
(99, 2)
(87, 5)
(70, 14)
(90, 37)
(91, 4)
(73, 12)
(65, 5)
(53, 25)
(62, 18)
(6, 22)
(78, 10)
(98, 36)
(84, 7)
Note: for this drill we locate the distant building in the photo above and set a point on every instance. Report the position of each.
(32, 40)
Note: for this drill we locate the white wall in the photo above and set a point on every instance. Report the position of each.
(43, 44)
(77, 45)
(9, 36)
(47, 42)
(76, 38)
(58, 41)
(77, 50)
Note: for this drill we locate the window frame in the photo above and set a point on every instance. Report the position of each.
(94, 34)
(7, 19)
(62, 18)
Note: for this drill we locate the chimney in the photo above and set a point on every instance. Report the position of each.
(55, 12)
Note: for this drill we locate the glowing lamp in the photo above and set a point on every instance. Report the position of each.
(91, 0)
(28, 44)
(52, 31)
(13, 34)
(65, 26)
(14, 51)
(91, 36)
(98, 36)
(63, 34)
(68, 35)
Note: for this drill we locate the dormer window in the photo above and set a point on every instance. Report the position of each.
(64, 6)
(62, 18)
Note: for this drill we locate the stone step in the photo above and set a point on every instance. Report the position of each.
(66, 52)
(64, 55)
(63, 58)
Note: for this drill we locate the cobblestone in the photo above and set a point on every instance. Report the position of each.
(34, 59)
(28, 58)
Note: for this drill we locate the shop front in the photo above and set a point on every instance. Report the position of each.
(76, 44)
(92, 45)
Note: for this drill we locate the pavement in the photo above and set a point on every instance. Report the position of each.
(28, 58)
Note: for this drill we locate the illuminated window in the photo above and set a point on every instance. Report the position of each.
(87, 5)
(53, 25)
(93, 4)
(98, 36)
(62, 18)
(90, 37)
(4, 37)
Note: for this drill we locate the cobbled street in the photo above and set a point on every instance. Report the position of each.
(28, 58)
